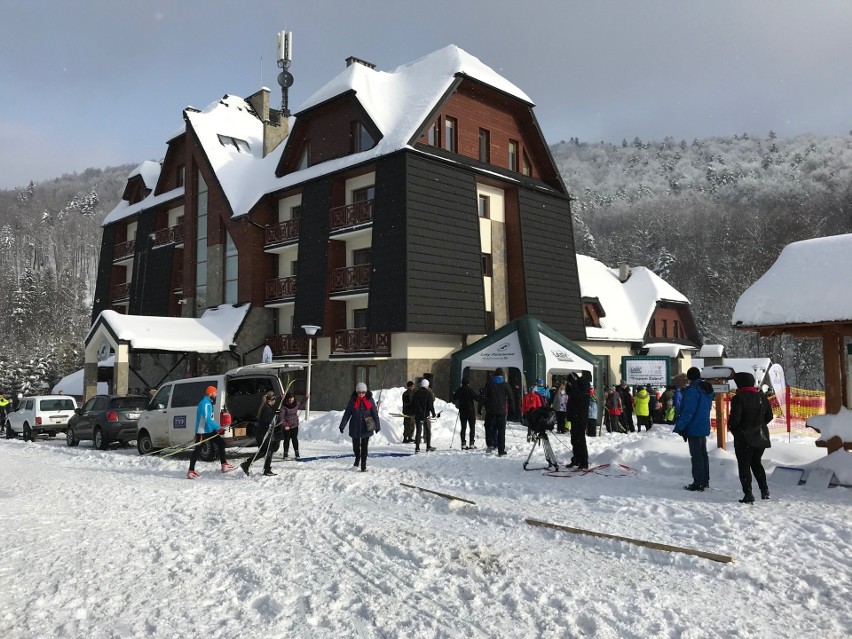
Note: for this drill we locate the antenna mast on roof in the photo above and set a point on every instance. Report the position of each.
(285, 78)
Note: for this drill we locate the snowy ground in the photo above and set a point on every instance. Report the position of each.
(111, 544)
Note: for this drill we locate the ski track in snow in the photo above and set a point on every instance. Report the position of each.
(111, 544)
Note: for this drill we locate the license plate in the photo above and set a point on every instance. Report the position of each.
(132, 415)
(58, 420)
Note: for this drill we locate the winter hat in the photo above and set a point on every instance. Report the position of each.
(499, 372)
(743, 380)
(211, 390)
(424, 383)
(360, 387)
(692, 374)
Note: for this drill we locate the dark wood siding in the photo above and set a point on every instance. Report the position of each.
(445, 288)
(102, 285)
(312, 283)
(388, 256)
(547, 243)
(155, 282)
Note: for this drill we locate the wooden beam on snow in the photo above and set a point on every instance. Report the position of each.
(435, 492)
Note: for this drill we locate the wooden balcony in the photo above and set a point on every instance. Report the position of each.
(359, 341)
(342, 217)
(281, 288)
(350, 278)
(170, 235)
(282, 232)
(290, 345)
(124, 250)
(121, 292)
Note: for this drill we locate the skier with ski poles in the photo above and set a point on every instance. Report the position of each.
(205, 426)
(265, 418)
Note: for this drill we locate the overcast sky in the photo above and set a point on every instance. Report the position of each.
(94, 83)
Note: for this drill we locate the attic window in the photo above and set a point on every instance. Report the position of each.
(240, 145)
(361, 138)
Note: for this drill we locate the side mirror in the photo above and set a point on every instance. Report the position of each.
(78, 411)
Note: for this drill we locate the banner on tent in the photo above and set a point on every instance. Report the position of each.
(505, 352)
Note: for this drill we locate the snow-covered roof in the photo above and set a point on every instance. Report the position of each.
(808, 283)
(665, 349)
(712, 350)
(213, 332)
(398, 102)
(149, 171)
(124, 209)
(628, 306)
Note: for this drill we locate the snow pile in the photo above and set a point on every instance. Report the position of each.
(102, 544)
(828, 426)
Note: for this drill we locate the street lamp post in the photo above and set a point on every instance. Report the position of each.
(310, 330)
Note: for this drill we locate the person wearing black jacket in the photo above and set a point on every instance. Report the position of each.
(265, 438)
(627, 407)
(498, 396)
(465, 399)
(408, 414)
(578, 414)
(749, 410)
(423, 404)
(362, 416)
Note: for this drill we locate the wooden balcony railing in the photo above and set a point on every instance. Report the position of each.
(341, 217)
(350, 278)
(357, 340)
(280, 288)
(121, 292)
(124, 250)
(282, 232)
(284, 345)
(170, 235)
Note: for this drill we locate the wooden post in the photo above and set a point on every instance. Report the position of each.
(721, 426)
(832, 356)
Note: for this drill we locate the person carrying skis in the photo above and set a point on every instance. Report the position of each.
(266, 435)
(206, 429)
(465, 400)
(423, 404)
(289, 420)
(360, 413)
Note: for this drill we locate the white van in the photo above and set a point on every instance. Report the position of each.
(40, 415)
(169, 419)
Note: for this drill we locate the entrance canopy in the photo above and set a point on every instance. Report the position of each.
(530, 346)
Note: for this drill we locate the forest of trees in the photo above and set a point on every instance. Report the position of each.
(50, 237)
(709, 216)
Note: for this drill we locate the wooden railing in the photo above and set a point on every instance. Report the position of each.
(170, 235)
(282, 232)
(121, 292)
(124, 250)
(357, 340)
(291, 345)
(280, 288)
(350, 215)
(350, 278)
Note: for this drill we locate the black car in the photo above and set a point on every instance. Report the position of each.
(106, 419)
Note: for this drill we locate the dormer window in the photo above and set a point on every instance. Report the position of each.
(513, 156)
(180, 178)
(361, 138)
(241, 146)
(527, 166)
(304, 158)
(434, 134)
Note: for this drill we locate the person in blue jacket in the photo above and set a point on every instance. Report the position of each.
(206, 428)
(693, 424)
(360, 410)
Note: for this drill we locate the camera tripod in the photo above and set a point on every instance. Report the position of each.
(541, 439)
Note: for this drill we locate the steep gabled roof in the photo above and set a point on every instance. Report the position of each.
(629, 305)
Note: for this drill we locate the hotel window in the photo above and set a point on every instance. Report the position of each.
(513, 156)
(363, 195)
(675, 329)
(484, 145)
(361, 138)
(484, 206)
(361, 257)
(181, 176)
(527, 167)
(450, 143)
(231, 270)
(296, 212)
(434, 135)
(304, 158)
(665, 328)
(294, 268)
(236, 143)
(366, 374)
(359, 319)
(487, 265)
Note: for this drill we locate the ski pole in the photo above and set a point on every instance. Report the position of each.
(453, 437)
(180, 450)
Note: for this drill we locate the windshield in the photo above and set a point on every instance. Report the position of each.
(56, 404)
(128, 402)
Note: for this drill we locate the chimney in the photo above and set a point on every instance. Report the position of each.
(275, 128)
(623, 272)
(353, 60)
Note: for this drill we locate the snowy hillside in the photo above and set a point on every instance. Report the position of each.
(111, 544)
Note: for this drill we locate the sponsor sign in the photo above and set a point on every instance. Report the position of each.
(641, 371)
(179, 421)
(267, 355)
(504, 353)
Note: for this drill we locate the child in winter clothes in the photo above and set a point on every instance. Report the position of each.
(288, 417)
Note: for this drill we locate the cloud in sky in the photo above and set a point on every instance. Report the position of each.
(101, 83)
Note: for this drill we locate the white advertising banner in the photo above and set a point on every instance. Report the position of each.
(505, 353)
(559, 359)
(641, 372)
(779, 384)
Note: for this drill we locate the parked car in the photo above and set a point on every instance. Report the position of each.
(170, 416)
(40, 415)
(106, 419)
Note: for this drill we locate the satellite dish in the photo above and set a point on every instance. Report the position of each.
(103, 351)
(285, 79)
(267, 355)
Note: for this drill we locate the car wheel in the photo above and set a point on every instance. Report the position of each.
(28, 433)
(144, 444)
(100, 441)
(71, 438)
(10, 434)
(208, 452)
